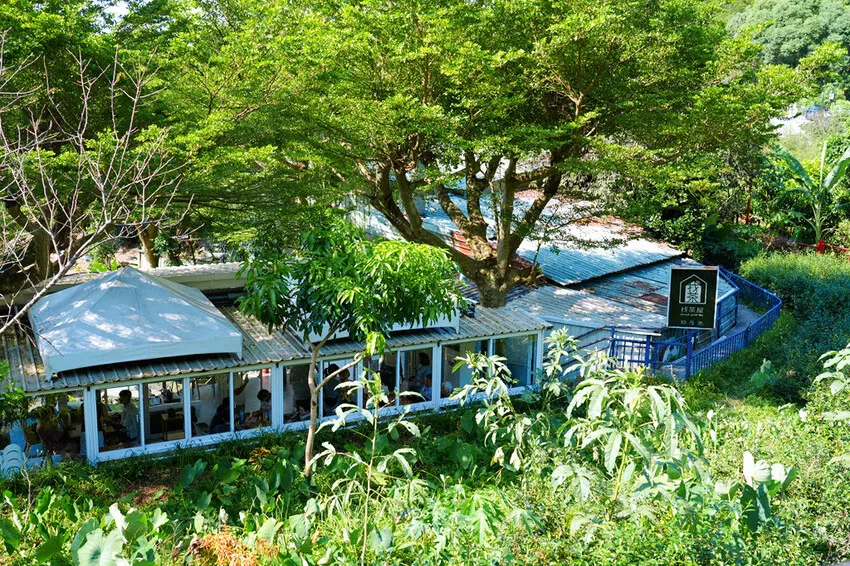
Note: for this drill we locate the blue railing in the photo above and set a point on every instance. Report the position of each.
(679, 356)
(727, 308)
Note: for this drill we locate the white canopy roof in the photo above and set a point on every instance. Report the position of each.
(126, 316)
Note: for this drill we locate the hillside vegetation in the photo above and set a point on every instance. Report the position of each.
(619, 469)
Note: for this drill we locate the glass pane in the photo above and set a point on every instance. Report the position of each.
(118, 417)
(210, 402)
(296, 397)
(331, 396)
(455, 380)
(53, 426)
(252, 399)
(385, 367)
(416, 375)
(519, 352)
(163, 403)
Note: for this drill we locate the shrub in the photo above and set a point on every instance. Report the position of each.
(816, 290)
(812, 285)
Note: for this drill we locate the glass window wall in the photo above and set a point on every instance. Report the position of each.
(119, 418)
(452, 380)
(519, 352)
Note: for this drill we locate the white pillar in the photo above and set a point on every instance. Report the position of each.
(538, 358)
(90, 420)
(278, 387)
(436, 375)
(187, 410)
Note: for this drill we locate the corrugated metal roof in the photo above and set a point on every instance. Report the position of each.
(645, 288)
(636, 299)
(582, 308)
(259, 347)
(560, 259)
(568, 266)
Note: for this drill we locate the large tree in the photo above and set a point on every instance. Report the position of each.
(420, 100)
(233, 93)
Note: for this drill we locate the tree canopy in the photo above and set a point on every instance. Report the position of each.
(790, 30)
(490, 111)
(426, 100)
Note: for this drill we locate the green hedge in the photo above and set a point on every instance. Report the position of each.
(815, 289)
(812, 285)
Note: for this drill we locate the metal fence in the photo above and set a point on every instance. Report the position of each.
(678, 356)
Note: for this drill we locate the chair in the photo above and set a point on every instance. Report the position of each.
(11, 460)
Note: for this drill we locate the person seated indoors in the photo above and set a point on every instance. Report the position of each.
(221, 420)
(264, 396)
(129, 418)
(51, 433)
(425, 388)
(446, 390)
(424, 366)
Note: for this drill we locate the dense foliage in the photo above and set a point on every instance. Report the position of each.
(338, 281)
(790, 30)
(619, 469)
(275, 110)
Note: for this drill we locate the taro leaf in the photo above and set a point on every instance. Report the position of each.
(269, 529)
(11, 535)
(136, 524)
(100, 550)
(749, 508)
(49, 548)
(203, 501)
(755, 472)
(261, 487)
(158, 519)
(464, 454)
(81, 535)
(190, 473)
(300, 525)
(789, 477)
(380, 540)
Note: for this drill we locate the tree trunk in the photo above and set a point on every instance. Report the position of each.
(314, 412)
(40, 246)
(147, 235)
(493, 285)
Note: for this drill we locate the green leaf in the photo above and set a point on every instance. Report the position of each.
(87, 527)
(269, 529)
(100, 550)
(203, 501)
(795, 166)
(11, 535)
(612, 450)
(380, 541)
(838, 171)
(49, 548)
(594, 409)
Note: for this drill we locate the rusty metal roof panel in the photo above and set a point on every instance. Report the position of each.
(560, 259)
